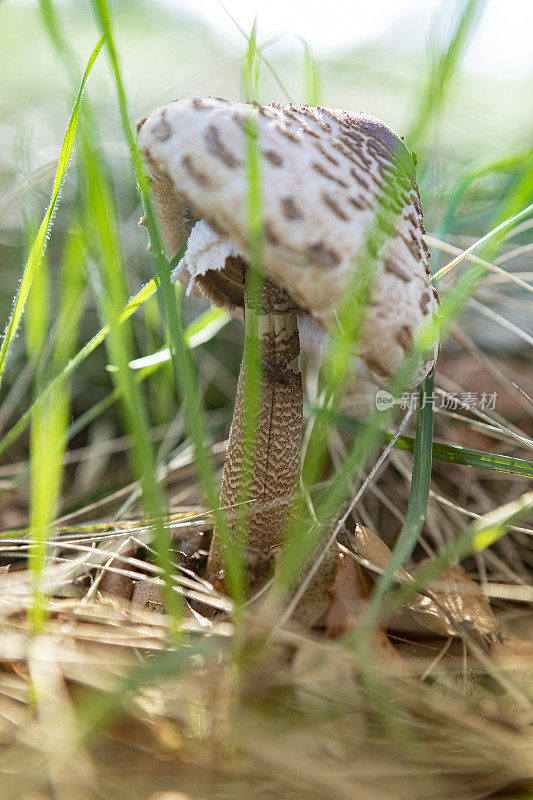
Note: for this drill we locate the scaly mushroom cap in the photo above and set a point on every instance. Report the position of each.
(322, 170)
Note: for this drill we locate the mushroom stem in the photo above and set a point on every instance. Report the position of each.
(278, 430)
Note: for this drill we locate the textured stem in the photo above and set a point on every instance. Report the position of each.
(274, 472)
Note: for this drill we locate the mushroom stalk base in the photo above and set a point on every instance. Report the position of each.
(273, 474)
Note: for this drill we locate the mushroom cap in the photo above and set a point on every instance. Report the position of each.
(322, 172)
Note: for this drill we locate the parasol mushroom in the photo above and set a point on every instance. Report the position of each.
(322, 172)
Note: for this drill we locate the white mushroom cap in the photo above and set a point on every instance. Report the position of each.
(322, 170)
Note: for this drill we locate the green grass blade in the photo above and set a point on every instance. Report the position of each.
(351, 316)
(449, 453)
(103, 220)
(252, 67)
(465, 286)
(200, 331)
(416, 509)
(73, 292)
(495, 233)
(521, 191)
(36, 323)
(184, 374)
(56, 34)
(466, 180)
(445, 65)
(206, 326)
(483, 533)
(47, 439)
(311, 80)
(46, 470)
(39, 244)
(482, 460)
(131, 307)
(102, 217)
(233, 547)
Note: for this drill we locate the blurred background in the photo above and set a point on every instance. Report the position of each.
(373, 57)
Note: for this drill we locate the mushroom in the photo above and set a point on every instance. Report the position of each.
(322, 172)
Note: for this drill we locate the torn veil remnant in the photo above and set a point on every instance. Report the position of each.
(322, 173)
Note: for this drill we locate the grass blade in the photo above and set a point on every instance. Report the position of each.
(39, 244)
(449, 453)
(252, 67)
(310, 76)
(200, 331)
(483, 533)
(103, 220)
(47, 439)
(184, 374)
(46, 470)
(444, 67)
(416, 509)
(24, 420)
(233, 547)
(494, 233)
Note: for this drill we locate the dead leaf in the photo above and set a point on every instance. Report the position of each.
(372, 548)
(349, 595)
(348, 592)
(147, 595)
(115, 584)
(458, 607)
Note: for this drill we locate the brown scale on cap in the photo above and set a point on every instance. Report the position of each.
(331, 158)
(359, 203)
(273, 157)
(290, 209)
(360, 180)
(323, 171)
(425, 301)
(194, 172)
(216, 146)
(394, 267)
(321, 253)
(405, 336)
(335, 206)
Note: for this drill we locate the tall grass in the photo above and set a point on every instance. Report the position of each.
(418, 499)
(48, 425)
(39, 243)
(311, 77)
(184, 374)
